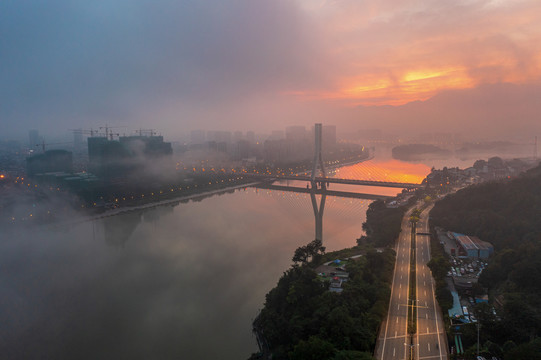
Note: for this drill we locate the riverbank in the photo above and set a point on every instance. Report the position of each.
(194, 196)
(150, 205)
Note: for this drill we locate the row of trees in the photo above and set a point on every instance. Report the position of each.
(383, 224)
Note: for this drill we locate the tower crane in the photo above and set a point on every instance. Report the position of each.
(43, 144)
(90, 132)
(152, 132)
(108, 132)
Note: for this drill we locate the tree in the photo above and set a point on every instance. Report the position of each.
(313, 349)
(310, 251)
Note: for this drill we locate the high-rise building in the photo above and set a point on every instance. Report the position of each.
(250, 136)
(33, 139)
(197, 137)
(296, 133)
(50, 161)
(78, 139)
(118, 158)
(328, 136)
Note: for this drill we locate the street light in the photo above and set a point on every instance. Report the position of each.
(411, 352)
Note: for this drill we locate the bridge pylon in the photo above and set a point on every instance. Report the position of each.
(318, 163)
(318, 158)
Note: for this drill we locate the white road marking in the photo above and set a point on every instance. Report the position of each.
(394, 352)
(428, 346)
(425, 314)
(397, 319)
(427, 330)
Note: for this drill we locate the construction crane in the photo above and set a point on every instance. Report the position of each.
(43, 144)
(152, 132)
(90, 132)
(108, 132)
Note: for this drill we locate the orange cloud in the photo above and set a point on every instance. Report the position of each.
(389, 54)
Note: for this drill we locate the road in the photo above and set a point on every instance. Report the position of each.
(393, 333)
(430, 341)
(430, 337)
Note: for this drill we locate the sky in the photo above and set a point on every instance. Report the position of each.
(426, 65)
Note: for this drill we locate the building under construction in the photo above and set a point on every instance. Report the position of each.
(110, 158)
(50, 161)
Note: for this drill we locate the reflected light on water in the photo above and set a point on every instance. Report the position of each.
(388, 170)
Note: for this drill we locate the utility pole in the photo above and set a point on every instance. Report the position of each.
(478, 326)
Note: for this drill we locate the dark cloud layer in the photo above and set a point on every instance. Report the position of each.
(67, 64)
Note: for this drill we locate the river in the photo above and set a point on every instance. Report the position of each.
(180, 281)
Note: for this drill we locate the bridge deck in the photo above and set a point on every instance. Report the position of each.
(345, 194)
(339, 181)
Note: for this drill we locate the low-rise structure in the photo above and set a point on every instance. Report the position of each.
(471, 246)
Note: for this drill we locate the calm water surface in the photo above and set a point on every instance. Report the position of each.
(182, 281)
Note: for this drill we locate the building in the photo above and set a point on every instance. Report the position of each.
(33, 139)
(328, 136)
(197, 136)
(472, 247)
(118, 158)
(296, 133)
(49, 162)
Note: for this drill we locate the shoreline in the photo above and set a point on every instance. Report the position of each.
(150, 205)
(118, 211)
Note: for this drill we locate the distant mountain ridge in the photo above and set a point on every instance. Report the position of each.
(485, 111)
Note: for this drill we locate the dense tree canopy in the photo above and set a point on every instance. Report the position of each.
(508, 215)
(302, 317)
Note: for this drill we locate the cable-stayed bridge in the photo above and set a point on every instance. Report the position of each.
(319, 182)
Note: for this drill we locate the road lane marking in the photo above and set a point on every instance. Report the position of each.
(397, 320)
(428, 346)
(394, 352)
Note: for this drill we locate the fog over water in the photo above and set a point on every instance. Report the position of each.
(176, 281)
(164, 283)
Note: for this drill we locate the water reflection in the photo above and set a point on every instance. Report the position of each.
(179, 281)
(117, 230)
